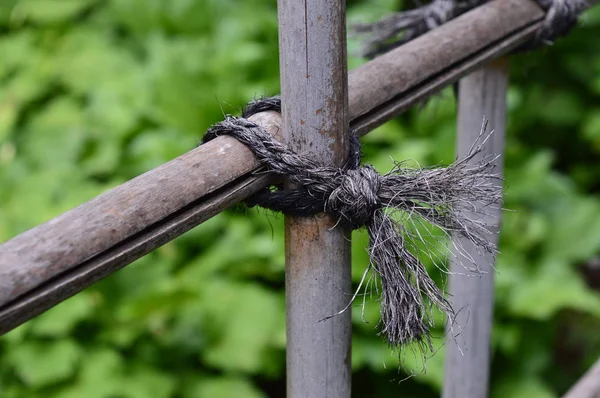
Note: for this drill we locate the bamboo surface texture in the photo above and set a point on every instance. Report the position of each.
(314, 96)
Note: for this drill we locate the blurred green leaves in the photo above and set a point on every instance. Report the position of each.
(47, 11)
(39, 364)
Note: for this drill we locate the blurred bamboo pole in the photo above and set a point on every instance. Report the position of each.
(588, 386)
(482, 94)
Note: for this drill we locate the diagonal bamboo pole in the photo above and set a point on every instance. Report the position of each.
(55, 260)
(482, 94)
(314, 95)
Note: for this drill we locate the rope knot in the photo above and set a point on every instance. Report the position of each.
(357, 196)
(438, 13)
(401, 27)
(561, 17)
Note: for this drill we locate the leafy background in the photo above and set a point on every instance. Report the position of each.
(93, 93)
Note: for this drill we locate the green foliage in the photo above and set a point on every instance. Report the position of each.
(95, 92)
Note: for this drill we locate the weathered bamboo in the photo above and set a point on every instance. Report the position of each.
(314, 94)
(588, 386)
(485, 33)
(481, 94)
(55, 260)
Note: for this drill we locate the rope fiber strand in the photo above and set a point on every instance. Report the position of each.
(387, 206)
(398, 28)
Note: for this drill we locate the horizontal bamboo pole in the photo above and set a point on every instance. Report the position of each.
(57, 259)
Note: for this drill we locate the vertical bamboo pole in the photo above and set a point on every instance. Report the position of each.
(314, 81)
(482, 93)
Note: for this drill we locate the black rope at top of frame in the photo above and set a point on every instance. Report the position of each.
(398, 28)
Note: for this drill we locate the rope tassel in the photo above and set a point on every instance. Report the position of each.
(358, 196)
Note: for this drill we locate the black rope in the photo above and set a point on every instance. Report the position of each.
(358, 196)
(398, 28)
(297, 201)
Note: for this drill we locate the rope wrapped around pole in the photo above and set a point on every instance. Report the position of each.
(385, 205)
(401, 27)
(53, 261)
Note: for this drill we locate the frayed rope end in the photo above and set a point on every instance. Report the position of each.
(396, 209)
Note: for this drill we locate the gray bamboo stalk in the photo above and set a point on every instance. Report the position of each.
(314, 93)
(481, 94)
